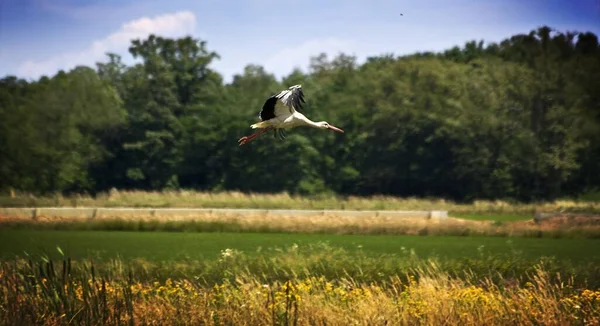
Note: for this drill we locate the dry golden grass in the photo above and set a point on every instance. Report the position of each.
(430, 301)
(433, 299)
(573, 226)
(184, 198)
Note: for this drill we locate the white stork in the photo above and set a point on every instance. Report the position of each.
(280, 112)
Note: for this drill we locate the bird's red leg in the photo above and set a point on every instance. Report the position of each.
(247, 139)
(252, 137)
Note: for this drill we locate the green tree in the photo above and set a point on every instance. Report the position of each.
(515, 119)
(57, 142)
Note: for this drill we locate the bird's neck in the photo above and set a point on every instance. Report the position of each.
(307, 120)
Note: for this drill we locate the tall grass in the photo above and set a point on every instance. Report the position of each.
(184, 198)
(556, 228)
(305, 286)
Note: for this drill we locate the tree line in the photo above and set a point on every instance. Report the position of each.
(518, 119)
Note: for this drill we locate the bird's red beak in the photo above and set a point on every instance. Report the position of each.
(335, 129)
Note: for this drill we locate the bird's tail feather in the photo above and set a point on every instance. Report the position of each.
(262, 124)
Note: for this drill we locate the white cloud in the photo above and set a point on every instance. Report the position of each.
(285, 60)
(270, 54)
(169, 25)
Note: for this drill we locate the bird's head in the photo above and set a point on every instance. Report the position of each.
(326, 125)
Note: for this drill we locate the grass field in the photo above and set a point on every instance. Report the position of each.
(159, 246)
(285, 279)
(492, 266)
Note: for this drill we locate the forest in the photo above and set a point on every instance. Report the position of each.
(514, 120)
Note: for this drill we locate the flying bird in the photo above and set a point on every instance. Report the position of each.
(280, 112)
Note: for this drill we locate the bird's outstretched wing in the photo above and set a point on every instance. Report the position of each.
(293, 97)
(283, 104)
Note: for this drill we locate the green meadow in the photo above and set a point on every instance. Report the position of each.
(169, 246)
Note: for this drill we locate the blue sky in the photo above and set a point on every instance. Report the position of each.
(39, 37)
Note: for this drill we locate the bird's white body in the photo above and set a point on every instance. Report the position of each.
(286, 121)
(280, 112)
